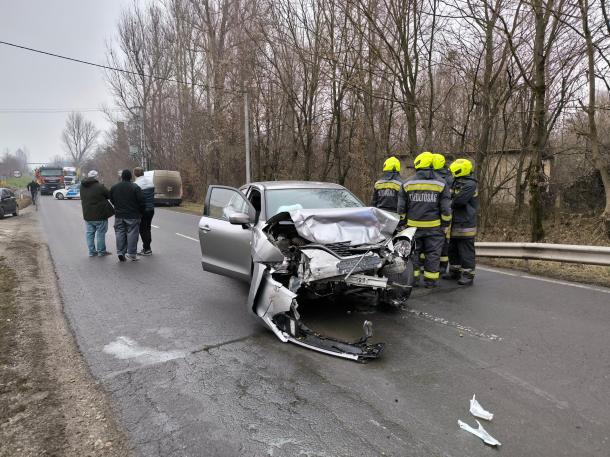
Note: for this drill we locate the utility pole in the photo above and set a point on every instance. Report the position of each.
(247, 136)
(143, 162)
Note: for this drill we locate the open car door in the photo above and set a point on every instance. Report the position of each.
(225, 233)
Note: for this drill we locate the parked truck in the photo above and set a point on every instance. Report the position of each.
(70, 176)
(50, 178)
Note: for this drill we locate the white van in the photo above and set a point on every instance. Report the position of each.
(168, 186)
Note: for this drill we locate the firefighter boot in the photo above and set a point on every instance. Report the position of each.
(415, 280)
(454, 272)
(429, 283)
(467, 278)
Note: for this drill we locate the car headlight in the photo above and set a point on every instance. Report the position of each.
(402, 248)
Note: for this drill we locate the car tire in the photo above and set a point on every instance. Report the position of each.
(16, 213)
(1, 213)
(59, 196)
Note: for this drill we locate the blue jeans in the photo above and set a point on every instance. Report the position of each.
(96, 230)
(127, 232)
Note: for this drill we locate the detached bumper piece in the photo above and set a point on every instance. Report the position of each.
(298, 333)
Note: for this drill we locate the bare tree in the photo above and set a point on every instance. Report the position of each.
(591, 109)
(79, 138)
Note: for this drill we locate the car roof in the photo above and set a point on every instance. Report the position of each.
(267, 185)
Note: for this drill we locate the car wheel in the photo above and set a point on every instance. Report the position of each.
(1, 212)
(16, 213)
(59, 196)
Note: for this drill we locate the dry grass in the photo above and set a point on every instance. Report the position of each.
(588, 274)
(189, 207)
(561, 228)
(24, 202)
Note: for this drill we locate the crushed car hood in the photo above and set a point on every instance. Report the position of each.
(357, 226)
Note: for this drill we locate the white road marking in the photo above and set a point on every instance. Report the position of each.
(155, 226)
(187, 237)
(552, 281)
(462, 328)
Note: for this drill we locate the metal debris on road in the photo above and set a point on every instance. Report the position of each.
(478, 411)
(480, 432)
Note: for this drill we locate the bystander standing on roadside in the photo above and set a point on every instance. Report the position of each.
(129, 205)
(148, 190)
(96, 212)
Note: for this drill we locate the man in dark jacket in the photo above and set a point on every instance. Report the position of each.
(129, 205)
(96, 211)
(33, 187)
(148, 189)
(425, 203)
(465, 205)
(387, 189)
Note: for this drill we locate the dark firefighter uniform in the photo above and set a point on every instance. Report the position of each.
(465, 205)
(425, 203)
(387, 189)
(438, 163)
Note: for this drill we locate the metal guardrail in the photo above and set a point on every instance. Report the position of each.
(590, 255)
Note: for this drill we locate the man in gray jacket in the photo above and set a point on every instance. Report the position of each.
(148, 190)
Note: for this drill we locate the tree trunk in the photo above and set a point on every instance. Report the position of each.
(598, 160)
(539, 137)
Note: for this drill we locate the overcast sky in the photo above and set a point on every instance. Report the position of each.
(76, 28)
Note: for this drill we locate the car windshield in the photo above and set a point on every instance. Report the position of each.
(51, 172)
(279, 200)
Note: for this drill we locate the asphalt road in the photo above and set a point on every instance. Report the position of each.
(192, 373)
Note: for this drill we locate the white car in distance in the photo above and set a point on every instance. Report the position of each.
(68, 193)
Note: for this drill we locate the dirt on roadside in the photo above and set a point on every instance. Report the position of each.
(49, 403)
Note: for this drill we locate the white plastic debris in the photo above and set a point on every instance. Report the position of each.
(480, 432)
(478, 411)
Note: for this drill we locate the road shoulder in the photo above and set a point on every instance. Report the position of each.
(49, 402)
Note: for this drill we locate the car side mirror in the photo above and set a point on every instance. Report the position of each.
(242, 219)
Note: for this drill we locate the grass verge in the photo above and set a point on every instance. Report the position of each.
(587, 274)
(189, 207)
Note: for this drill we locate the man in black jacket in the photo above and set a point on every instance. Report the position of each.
(96, 211)
(148, 190)
(129, 205)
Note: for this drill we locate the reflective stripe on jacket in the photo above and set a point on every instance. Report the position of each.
(386, 191)
(465, 205)
(425, 200)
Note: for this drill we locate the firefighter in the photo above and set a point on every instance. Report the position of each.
(425, 203)
(465, 204)
(385, 194)
(438, 163)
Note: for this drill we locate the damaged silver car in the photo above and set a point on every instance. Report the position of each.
(295, 241)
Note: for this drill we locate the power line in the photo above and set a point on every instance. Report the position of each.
(53, 110)
(107, 67)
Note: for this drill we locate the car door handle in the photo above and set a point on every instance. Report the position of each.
(206, 228)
